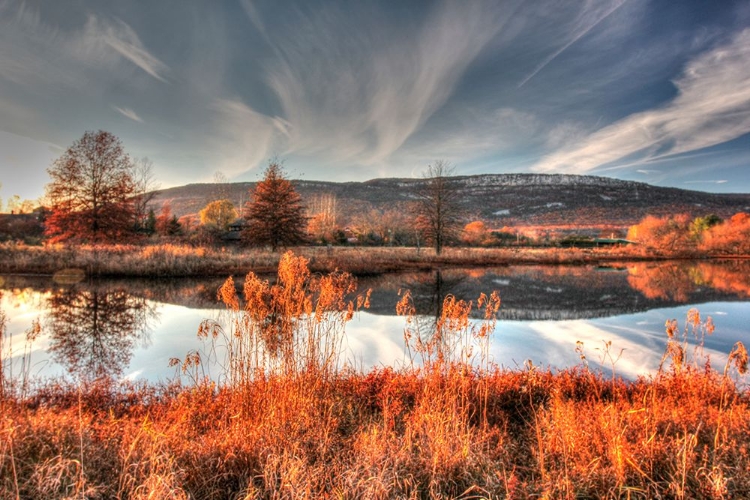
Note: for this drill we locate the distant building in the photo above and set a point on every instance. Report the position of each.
(234, 232)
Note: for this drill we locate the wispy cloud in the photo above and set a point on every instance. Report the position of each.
(128, 113)
(33, 52)
(712, 106)
(242, 137)
(721, 181)
(470, 134)
(591, 15)
(357, 90)
(100, 35)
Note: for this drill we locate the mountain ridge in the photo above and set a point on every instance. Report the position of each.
(497, 199)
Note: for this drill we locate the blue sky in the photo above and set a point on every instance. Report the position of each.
(649, 90)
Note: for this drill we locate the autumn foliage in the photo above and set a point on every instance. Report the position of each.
(681, 234)
(731, 236)
(275, 214)
(218, 214)
(288, 417)
(92, 192)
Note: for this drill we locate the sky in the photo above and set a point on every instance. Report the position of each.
(647, 90)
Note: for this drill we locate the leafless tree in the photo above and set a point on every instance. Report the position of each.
(437, 211)
(145, 189)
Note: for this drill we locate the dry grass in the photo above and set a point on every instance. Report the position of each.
(288, 420)
(183, 260)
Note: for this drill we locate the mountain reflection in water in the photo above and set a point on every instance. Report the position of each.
(130, 328)
(557, 293)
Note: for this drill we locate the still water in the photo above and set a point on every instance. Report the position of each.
(130, 329)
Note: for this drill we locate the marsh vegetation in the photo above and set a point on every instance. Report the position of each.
(288, 418)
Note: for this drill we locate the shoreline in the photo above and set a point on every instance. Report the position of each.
(178, 261)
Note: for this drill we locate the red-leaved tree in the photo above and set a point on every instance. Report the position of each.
(91, 195)
(275, 214)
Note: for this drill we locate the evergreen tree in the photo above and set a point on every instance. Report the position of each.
(150, 227)
(275, 214)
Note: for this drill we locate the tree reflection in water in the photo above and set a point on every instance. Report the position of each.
(94, 329)
(428, 293)
(678, 281)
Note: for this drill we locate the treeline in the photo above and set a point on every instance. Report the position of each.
(682, 233)
(98, 194)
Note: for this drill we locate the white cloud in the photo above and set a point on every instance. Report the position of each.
(101, 38)
(128, 113)
(589, 17)
(355, 91)
(242, 138)
(36, 53)
(712, 106)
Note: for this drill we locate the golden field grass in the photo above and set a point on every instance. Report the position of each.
(184, 260)
(287, 420)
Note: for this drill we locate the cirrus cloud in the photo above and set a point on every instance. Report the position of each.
(712, 106)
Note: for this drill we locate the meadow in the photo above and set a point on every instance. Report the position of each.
(177, 260)
(288, 419)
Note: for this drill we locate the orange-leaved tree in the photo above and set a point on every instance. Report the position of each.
(275, 214)
(730, 237)
(91, 195)
(663, 233)
(474, 233)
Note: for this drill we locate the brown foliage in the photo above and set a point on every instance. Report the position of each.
(275, 215)
(92, 191)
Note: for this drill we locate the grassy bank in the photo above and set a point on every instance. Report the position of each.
(179, 260)
(287, 420)
(384, 434)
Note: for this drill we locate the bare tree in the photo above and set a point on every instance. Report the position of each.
(437, 212)
(322, 214)
(221, 189)
(145, 190)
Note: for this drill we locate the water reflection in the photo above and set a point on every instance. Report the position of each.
(680, 281)
(556, 293)
(428, 293)
(94, 329)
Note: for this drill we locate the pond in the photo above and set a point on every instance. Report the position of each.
(550, 315)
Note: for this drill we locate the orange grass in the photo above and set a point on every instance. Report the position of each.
(288, 420)
(183, 260)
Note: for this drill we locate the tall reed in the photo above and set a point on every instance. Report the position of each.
(287, 418)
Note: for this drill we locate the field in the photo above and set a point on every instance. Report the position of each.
(183, 260)
(288, 420)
